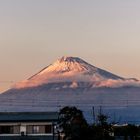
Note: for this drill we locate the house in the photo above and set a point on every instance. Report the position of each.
(28, 125)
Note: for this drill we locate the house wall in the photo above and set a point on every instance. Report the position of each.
(27, 128)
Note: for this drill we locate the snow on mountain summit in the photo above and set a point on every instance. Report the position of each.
(67, 64)
(75, 70)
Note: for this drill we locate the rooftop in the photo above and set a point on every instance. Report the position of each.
(28, 116)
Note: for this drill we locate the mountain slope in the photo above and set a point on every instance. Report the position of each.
(75, 70)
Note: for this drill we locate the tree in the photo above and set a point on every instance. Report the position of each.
(73, 123)
(74, 126)
(102, 130)
(102, 119)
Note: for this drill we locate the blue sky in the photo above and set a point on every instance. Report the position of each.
(34, 33)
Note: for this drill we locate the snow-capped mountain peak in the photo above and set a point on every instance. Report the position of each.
(73, 70)
(68, 64)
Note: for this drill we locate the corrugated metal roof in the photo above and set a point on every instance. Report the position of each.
(28, 116)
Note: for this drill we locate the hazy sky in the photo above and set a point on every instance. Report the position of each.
(34, 33)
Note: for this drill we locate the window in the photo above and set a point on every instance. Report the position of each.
(48, 129)
(35, 129)
(39, 129)
(6, 130)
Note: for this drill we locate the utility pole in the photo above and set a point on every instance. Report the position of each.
(94, 118)
(100, 110)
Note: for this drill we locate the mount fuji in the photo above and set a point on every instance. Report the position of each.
(70, 81)
(75, 71)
